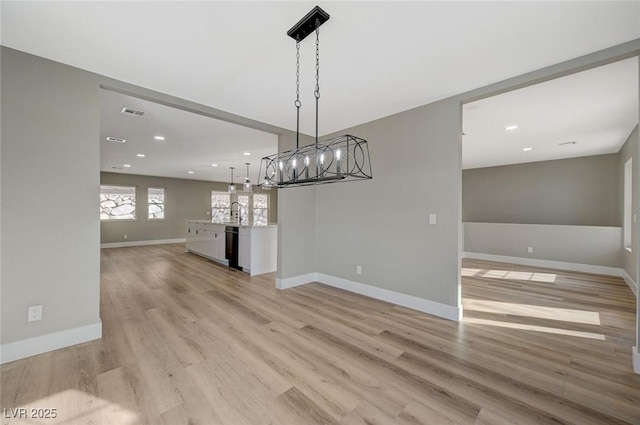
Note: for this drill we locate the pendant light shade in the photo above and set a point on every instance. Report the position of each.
(247, 183)
(232, 186)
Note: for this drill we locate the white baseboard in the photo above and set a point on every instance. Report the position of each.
(141, 243)
(534, 262)
(636, 360)
(409, 301)
(41, 344)
(290, 282)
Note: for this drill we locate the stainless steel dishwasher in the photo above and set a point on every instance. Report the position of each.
(231, 250)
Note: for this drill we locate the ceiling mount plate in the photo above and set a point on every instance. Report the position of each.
(307, 25)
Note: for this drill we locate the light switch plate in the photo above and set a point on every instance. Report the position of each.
(432, 219)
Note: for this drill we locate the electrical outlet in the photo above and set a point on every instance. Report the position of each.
(359, 269)
(126, 236)
(530, 250)
(34, 313)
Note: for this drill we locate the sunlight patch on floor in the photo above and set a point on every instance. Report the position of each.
(510, 275)
(69, 407)
(520, 326)
(528, 310)
(466, 271)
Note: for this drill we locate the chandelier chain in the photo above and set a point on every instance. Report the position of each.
(317, 92)
(297, 102)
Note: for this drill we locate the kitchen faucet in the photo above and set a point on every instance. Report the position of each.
(237, 211)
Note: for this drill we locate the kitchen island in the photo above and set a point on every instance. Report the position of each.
(256, 244)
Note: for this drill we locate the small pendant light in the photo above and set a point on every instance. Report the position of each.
(232, 187)
(247, 182)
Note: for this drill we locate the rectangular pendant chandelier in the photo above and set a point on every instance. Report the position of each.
(339, 159)
(343, 158)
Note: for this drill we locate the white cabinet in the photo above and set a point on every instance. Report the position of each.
(257, 249)
(244, 248)
(206, 239)
(194, 236)
(191, 236)
(216, 240)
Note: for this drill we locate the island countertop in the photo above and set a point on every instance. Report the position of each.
(233, 223)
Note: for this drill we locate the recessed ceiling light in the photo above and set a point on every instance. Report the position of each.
(511, 127)
(126, 165)
(247, 153)
(115, 139)
(572, 142)
(527, 149)
(190, 172)
(214, 165)
(159, 137)
(141, 155)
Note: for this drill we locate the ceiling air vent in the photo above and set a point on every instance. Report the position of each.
(572, 142)
(131, 111)
(115, 139)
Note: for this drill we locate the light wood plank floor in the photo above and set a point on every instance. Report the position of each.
(187, 341)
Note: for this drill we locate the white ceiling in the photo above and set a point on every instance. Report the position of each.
(192, 142)
(377, 58)
(597, 108)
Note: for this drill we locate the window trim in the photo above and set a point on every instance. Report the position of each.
(220, 192)
(250, 206)
(135, 211)
(253, 209)
(164, 203)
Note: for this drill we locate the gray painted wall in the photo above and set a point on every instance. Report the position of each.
(382, 224)
(630, 149)
(577, 191)
(50, 156)
(590, 245)
(296, 222)
(185, 200)
(50, 178)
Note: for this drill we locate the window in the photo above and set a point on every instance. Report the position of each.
(243, 205)
(117, 202)
(260, 208)
(220, 206)
(628, 209)
(252, 207)
(155, 201)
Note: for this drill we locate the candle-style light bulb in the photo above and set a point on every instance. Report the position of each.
(338, 167)
(306, 167)
(294, 164)
(321, 166)
(281, 176)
